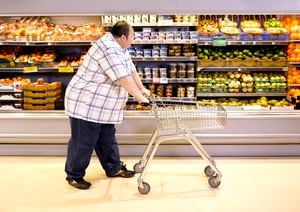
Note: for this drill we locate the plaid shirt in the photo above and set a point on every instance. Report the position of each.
(92, 94)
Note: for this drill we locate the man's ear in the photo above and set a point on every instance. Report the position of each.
(123, 37)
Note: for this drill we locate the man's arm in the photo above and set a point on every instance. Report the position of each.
(130, 85)
(140, 85)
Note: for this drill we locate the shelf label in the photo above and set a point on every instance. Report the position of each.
(219, 41)
(30, 69)
(66, 69)
(155, 80)
(164, 80)
(160, 80)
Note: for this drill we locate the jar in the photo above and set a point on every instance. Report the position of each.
(163, 53)
(155, 73)
(190, 66)
(147, 73)
(181, 74)
(169, 91)
(140, 72)
(181, 67)
(163, 72)
(152, 88)
(180, 92)
(190, 73)
(160, 90)
(190, 91)
(147, 52)
(172, 70)
(155, 52)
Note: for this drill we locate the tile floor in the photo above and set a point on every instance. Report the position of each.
(177, 184)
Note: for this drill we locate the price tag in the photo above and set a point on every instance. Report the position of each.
(66, 69)
(155, 80)
(163, 80)
(30, 69)
(219, 41)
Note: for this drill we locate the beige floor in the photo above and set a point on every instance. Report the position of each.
(177, 184)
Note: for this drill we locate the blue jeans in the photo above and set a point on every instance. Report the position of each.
(88, 136)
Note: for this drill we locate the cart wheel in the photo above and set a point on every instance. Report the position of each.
(146, 188)
(214, 182)
(209, 171)
(138, 168)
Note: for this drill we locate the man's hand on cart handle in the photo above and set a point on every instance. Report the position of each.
(145, 92)
(145, 102)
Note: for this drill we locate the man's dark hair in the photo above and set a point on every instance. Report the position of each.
(120, 28)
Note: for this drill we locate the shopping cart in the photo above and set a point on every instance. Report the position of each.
(177, 120)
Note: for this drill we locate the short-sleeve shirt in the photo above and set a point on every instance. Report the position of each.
(93, 93)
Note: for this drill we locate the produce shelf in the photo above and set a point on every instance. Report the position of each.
(294, 63)
(243, 68)
(245, 43)
(240, 94)
(293, 85)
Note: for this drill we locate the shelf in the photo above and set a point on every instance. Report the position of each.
(173, 59)
(171, 80)
(39, 70)
(243, 68)
(293, 85)
(46, 43)
(240, 94)
(132, 99)
(294, 63)
(294, 41)
(189, 41)
(187, 24)
(233, 42)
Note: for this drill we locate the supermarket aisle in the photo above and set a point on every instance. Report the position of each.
(177, 184)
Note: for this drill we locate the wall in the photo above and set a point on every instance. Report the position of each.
(96, 7)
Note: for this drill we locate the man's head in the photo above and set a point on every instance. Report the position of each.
(123, 33)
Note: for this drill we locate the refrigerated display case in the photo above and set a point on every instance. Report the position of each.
(247, 132)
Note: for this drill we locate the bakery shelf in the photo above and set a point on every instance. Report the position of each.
(201, 94)
(39, 70)
(174, 59)
(46, 43)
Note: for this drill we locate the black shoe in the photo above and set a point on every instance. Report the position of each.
(124, 172)
(79, 183)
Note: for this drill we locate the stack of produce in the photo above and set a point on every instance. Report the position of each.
(41, 95)
(294, 52)
(293, 75)
(229, 28)
(292, 24)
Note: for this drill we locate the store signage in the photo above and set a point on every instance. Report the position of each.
(66, 69)
(30, 69)
(219, 41)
